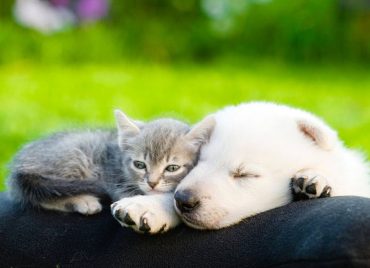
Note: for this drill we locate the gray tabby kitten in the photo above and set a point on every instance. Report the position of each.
(70, 171)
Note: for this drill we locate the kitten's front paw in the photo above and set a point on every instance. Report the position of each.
(308, 184)
(86, 204)
(141, 214)
(83, 204)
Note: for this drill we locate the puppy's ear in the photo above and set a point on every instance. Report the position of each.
(126, 127)
(201, 132)
(318, 132)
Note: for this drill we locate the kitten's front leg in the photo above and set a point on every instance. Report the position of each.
(309, 184)
(84, 204)
(146, 213)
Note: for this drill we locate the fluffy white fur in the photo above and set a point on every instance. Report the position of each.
(267, 144)
(156, 211)
(247, 164)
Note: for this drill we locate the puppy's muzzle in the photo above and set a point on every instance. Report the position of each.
(186, 201)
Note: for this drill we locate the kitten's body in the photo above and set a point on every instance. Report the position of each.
(67, 164)
(70, 171)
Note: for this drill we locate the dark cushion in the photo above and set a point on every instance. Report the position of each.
(331, 232)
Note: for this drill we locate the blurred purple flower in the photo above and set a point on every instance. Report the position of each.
(91, 9)
(85, 9)
(60, 3)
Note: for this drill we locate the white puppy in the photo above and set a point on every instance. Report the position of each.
(258, 154)
(254, 151)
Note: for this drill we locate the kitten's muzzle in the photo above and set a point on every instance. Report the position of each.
(153, 184)
(186, 201)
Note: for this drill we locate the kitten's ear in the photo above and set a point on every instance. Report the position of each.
(125, 126)
(318, 132)
(201, 132)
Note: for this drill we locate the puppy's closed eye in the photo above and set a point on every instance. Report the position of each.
(240, 174)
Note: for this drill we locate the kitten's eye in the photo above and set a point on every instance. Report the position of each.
(172, 168)
(139, 165)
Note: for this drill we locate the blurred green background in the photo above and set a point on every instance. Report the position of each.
(185, 59)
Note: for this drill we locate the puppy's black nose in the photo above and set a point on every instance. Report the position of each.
(186, 201)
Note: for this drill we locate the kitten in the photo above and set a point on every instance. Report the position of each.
(70, 171)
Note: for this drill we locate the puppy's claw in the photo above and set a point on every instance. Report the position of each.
(299, 182)
(162, 228)
(326, 192)
(144, 226)
(311, 189)
(127, 220)
(112, 206)
(116, 214)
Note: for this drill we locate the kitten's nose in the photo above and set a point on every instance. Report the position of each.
(186, 201)
(152, 184)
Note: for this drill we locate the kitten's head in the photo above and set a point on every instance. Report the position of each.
(158, 154)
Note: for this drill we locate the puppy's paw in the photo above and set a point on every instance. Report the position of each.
(308, 184)
(142, 214)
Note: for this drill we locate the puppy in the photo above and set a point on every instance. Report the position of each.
(257, 154)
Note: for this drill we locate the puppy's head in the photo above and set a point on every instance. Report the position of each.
(246, 166)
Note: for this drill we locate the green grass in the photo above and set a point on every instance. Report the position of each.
(39, 99)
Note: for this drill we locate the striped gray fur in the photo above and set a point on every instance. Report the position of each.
(100, 162)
